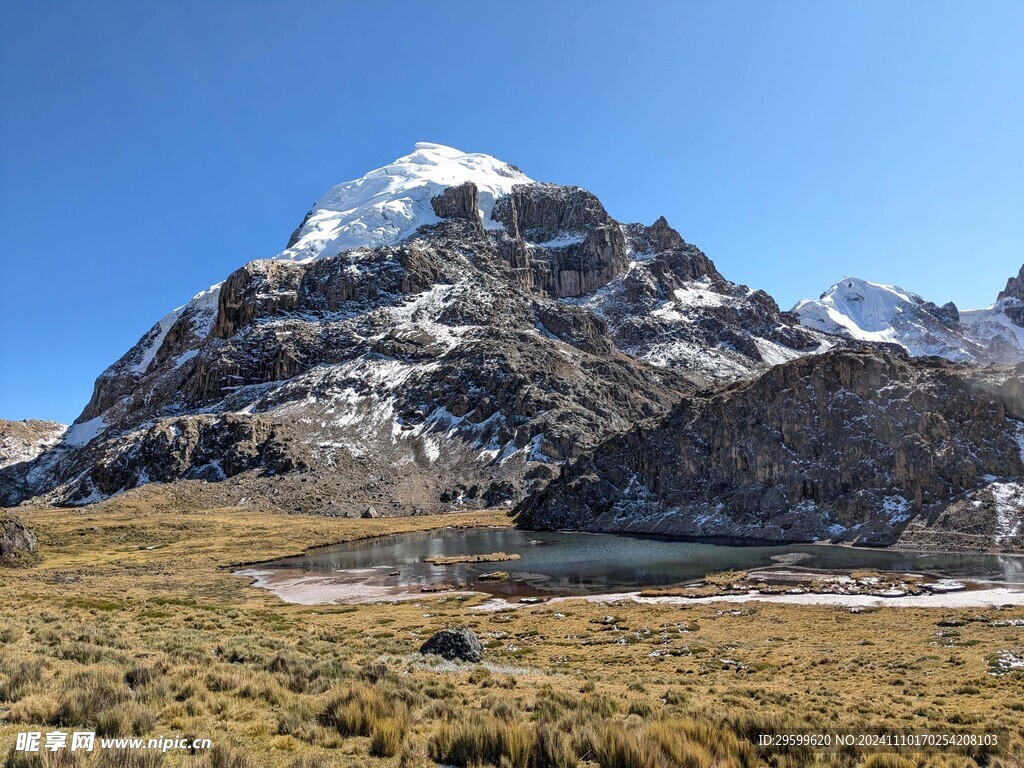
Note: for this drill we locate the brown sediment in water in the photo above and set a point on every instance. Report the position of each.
(776, 582)
(494, 557)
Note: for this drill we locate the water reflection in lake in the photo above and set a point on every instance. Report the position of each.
(582, 563)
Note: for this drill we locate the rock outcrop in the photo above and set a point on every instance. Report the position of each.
(1014, 288)
(17, 543)
(1011, 298)
(849, 446)
(195, 447)
(459, 202)
(563, 237)
(455, 645)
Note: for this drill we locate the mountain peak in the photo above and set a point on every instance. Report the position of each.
(851, 287)
(881, 313)
(875, 312)
(389, 203)
(1014, 287)
(857, 308)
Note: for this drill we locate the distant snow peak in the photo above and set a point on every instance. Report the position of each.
(858, 308)
(388, 204)
(997, 329)
(880, 313)
(875, 312)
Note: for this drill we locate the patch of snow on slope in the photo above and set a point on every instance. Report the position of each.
(390, 203)
(897, 508)
(560, 242)
(204, 302)
(775, 354)
(421, 311)
(698, 294)
(183, 358)
(1009, 503)
(23, 441)
(152, 346)
(718, 363)
(86, 432)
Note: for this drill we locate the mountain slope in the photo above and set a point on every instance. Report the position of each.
(852, 445)
(441, 332)
(671, 307)
(22, 441)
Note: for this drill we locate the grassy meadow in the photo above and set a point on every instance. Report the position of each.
(132, 624)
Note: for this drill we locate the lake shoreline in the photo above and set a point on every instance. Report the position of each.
(539, 566)
(342, 589)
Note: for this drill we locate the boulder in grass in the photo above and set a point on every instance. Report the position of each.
(455, 645)
(17, 543)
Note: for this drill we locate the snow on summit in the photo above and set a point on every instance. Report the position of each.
(858, 308)
(388, 204)
(875, 312)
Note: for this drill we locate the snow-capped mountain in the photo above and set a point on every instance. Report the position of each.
(388, 204)
(442, 331)
(873, 312)
(446, 332)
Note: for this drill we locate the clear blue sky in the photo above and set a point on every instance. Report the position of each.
(147, 149)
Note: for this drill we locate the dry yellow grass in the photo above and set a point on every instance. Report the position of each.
(133, 623)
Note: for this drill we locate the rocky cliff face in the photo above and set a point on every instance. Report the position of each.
(671, 307)
(852, 446)
(17, 543)
(419, 352)
(1014, 289)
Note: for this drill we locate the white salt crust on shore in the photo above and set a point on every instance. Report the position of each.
(334, 590)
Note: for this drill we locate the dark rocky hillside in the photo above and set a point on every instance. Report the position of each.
(851, 446)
